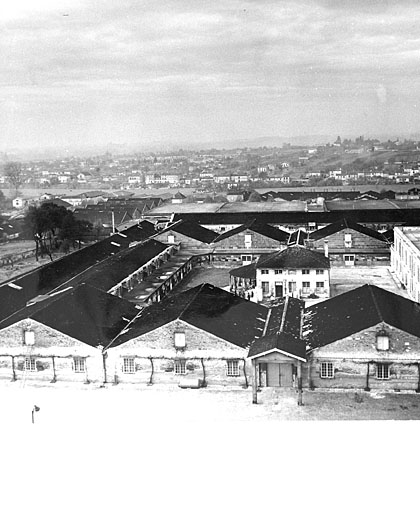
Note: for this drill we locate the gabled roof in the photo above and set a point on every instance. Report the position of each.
(293, 257)
(257, 227)
(84, 313)
(282, 333)
(192, 230)
(208, 308)
(356, 310)
(335, 227)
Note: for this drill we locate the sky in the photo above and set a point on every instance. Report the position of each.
(87, 72)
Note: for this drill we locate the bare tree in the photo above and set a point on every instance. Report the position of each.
(14, 175)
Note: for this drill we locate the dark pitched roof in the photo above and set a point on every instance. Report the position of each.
(84, 313)
(246, 271)
(257, 227)
(192, 230)
(335, 227)
(16, 293)
(282, 332)
(206, 307)
(358, 309)
(293, 257)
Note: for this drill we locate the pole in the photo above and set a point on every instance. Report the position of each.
(254, 382)
(299, 377)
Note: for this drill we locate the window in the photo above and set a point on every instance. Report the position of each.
(292, 286)
(265, 286)
(382, 340)
(30, 364)
(79, 364)
(29, 338)
(128, 365)
(292, 272)
(327, 371)
(180, 367)
(277, 271)
(248, 241)
(233, 368)
(349, 257)
(179, 340)
(171, 239)
(382, 371)
(320, 284)
(264, 271)
(305, 271)
(246, 257)
(306, 284)
(319, 272)
(347, 240)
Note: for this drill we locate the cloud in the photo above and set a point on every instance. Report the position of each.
(231, 55)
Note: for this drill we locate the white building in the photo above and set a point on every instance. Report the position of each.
(405, 259)
(295, 272)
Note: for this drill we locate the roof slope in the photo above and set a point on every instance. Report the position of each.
(356, 310)
(258, 227)
(84, 313)
(293, 257)
(335, 227)
(283, 331)
(193, 230)
(206, 307)
(246, 271)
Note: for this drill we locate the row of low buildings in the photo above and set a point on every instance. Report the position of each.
(368, 338)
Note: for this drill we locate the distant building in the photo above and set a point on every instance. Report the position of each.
(405, 259)
(19, 202)
(296, 272)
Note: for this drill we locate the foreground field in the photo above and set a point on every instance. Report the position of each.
(61, 406)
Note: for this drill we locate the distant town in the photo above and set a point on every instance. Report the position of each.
(342, 162)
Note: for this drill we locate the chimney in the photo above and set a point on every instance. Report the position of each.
(326, 248)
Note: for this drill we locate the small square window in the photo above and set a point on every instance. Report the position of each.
(264, 271)
(306, 284)
(128, 365)
(79, 364)
(320, 284)
(171, 239)
(180, 367)
(382, 371)
(233, 368)
(327, 371)
(277, 271)
(179, 339)
(318, 272)
(30, 364)
(305, 271)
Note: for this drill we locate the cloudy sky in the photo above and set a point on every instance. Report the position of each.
(96, 71)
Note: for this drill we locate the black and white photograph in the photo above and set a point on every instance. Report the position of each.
(209, 254)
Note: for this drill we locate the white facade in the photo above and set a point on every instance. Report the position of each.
(298, 283)
(405, 259)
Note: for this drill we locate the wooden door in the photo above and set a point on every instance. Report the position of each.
(286, 375)
(279, 290)
(273, 375)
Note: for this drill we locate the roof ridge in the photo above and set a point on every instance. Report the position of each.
(375, 302)
(283, 316)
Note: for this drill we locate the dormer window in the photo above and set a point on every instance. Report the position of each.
(29, 338)
(382, 340)
(179, 340)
